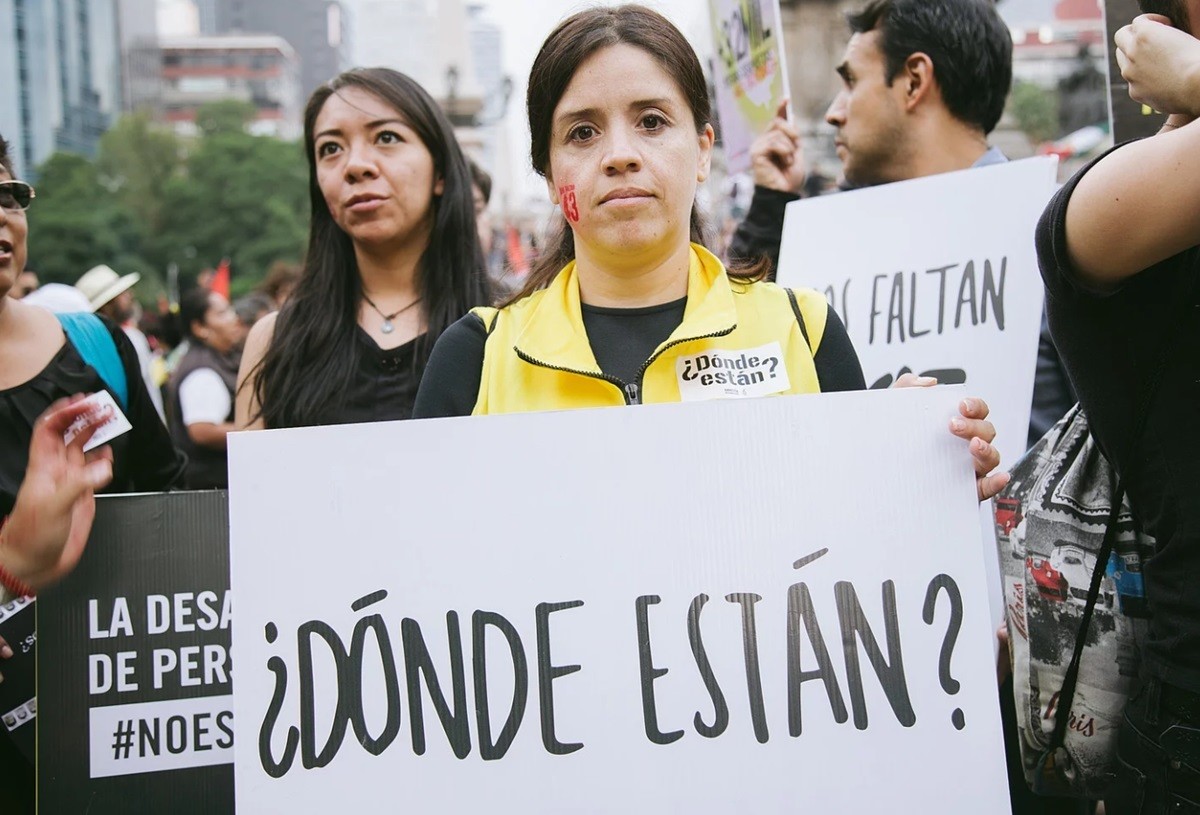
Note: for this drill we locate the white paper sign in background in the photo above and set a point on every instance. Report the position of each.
(619, 610)
(935, 275)
(750, 73)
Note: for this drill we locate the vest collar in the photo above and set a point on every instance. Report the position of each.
(554, 335)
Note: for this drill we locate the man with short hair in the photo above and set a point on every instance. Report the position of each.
(924, 83)
(1119, 249)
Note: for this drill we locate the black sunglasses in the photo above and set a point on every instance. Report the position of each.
(15, 195)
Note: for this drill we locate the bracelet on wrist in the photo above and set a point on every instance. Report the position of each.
(10, 581)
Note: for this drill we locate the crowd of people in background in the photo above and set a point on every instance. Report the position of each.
(407, 305)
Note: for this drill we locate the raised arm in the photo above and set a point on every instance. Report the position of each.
(1141, 204)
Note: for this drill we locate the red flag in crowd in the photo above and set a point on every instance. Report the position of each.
(220, 280)
(516, 253)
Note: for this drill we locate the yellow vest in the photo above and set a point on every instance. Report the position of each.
(736, 340)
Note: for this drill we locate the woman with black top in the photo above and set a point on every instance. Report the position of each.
(393, 259)
(627, 305)
(39, 365)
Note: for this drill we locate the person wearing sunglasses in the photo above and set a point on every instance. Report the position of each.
(40, 365)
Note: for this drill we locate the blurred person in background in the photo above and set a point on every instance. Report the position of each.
(251, 308)
(26, 284)
(39, 366)
(493, 252)
(111, 296)
(59, 298)
(201, 388)
(280, 282)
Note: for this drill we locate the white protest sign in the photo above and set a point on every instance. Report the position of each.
(936, 275)
(750, 73)
(618, 610)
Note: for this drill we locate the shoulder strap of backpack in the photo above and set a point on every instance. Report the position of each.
(93, 342)
(799, 318)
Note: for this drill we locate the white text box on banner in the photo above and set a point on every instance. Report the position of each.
(150, 737)
(773, 604)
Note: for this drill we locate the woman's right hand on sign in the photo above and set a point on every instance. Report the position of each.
(44, 537)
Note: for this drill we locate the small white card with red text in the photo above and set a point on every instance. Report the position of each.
(115, 426)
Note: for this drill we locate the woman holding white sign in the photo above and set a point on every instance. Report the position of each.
(626, 305)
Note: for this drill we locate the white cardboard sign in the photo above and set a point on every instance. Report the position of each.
(749, 73)
(935, 275)
(762, 605)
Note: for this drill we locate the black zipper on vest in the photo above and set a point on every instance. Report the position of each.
(621, 386)
(637, 387)
(630, 391)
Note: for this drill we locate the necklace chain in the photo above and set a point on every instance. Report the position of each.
(387, 327)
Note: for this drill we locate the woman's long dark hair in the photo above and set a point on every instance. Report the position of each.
(576, 39)
(309, 365)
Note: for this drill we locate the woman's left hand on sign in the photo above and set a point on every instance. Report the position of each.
(972, 425)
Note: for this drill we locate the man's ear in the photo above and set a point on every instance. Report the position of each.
(917, 79)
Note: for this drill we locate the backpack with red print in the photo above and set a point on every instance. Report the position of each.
(1071, 558)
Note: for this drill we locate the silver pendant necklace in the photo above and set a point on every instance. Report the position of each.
(387, 327)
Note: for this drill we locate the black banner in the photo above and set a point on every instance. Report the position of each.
(134, 672)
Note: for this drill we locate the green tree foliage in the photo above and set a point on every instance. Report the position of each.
(135, 161)
(1036, 110)
(225, 116)
(151, 199)
(74, 224)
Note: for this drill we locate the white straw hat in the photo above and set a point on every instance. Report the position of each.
(101, 284)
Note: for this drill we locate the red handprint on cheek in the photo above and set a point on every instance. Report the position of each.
(570, 208)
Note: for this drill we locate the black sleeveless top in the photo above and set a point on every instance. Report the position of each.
(384, 387)
(144, 459)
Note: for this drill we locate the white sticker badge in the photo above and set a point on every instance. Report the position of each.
(721, 374)
(116, 425)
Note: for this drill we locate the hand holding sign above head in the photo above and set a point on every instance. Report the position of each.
(1161, 64)
(777, 156)
(971, 424)
(44, 536)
